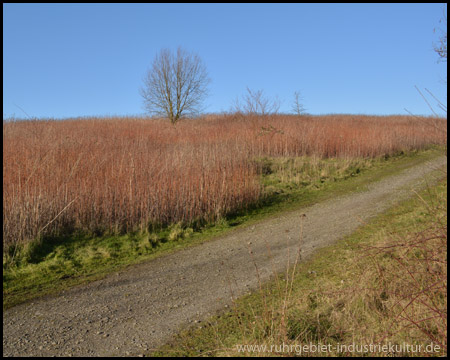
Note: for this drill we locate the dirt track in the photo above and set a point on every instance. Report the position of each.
(140, 308)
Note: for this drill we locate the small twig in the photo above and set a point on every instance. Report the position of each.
(57, 215)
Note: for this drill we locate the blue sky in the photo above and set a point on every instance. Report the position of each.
(89, 59)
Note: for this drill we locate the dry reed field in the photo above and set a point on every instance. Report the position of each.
(127, 174)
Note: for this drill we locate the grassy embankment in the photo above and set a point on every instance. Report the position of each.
(386, 284)
(55, 264)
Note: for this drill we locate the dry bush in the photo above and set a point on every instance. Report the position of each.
(123, 174)
(391, 291)
(412, 286)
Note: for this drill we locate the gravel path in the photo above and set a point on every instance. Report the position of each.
(138, 309)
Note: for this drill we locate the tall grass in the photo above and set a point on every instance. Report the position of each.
(126, 174)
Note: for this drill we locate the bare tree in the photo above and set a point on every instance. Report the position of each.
(297, 106)
(441, 48)
(256, 103)
(176, 85)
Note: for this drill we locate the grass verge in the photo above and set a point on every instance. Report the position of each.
(381, 291)
(54, 264)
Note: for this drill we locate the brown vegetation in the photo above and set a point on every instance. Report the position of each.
(125, 174)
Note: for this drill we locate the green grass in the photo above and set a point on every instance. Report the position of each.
(351, 292)
(53, 264)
